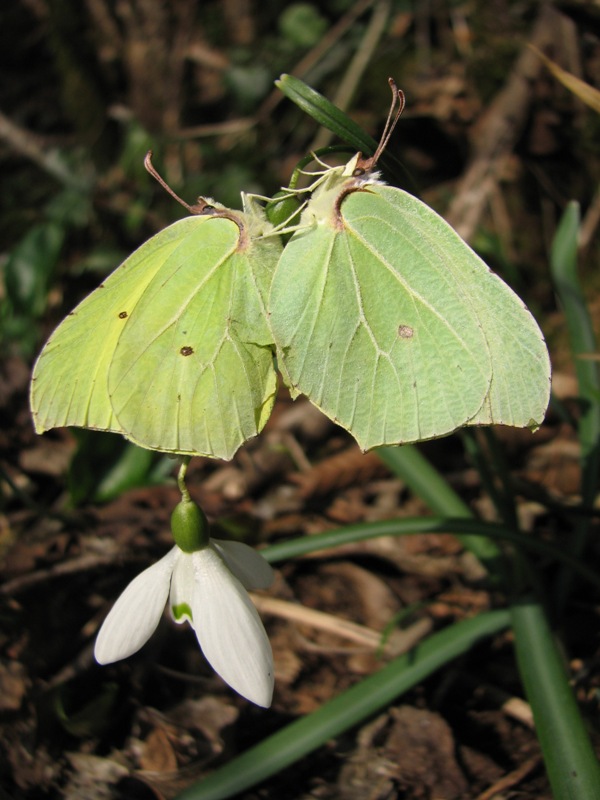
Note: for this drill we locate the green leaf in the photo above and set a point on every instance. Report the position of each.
(302, 24)
(173, 350)
(465, 529)
(563, 265)
(570, 761)
(329, 116)
(30, 266)
(391, 325)
(90, 719)
(325, 113)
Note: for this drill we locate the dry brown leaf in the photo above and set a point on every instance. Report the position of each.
(157, 753)
(344, 469)
(584, 91)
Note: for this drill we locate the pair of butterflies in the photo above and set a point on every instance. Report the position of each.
(375, 309)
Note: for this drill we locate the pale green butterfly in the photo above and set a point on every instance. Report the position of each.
(391, 325)
(173, 350)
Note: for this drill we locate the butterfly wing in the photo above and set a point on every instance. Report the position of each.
(387, 328)
(168, 352)
(519, 389)
(69, 384)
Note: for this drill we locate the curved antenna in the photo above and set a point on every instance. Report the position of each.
(152, 170)
(396, 108)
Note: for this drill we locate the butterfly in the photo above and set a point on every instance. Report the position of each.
(391, 324)
(173, 350)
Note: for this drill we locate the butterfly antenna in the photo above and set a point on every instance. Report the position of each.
(152, 170)
(396, 109)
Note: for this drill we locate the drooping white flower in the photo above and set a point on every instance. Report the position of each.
(207, 588)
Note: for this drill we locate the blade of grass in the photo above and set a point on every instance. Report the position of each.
(410, 526)
(574, 776)
(329, 116)
(491, 466)
(346, 710)
(570, 761)
(426, 482)
(563, 266)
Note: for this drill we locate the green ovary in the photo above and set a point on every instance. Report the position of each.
(181, 611)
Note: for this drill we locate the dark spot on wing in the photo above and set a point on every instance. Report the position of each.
(186, 350)
(123, 315)
(405, 332)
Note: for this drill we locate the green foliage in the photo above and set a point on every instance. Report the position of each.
(302, 24)
(103, 467)
(283, 209)
(31, 266)
(346, 710)
(29, 271)
(92, 718)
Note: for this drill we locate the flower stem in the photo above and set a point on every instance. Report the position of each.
(185, 495)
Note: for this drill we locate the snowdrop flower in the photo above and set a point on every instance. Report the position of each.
(205, 581)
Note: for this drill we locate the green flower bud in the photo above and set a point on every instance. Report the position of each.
(281, 210)
(189, 527)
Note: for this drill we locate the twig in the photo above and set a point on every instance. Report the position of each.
(30, 146)
(397, 643)
(314, 56)
(500, 130)
(81, 564)
(510, 780)
(356, 68)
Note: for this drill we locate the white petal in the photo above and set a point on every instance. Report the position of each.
(182, 589)
(229, 629)
(136, 614)
(246, 563)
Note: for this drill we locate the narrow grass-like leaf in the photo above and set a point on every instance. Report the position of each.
(574, 776)
(465, 529)
(570, 761)
(493, 470)
(325, 113)
(587, 93)
(563, 263)
(426, 482)
(348, 709)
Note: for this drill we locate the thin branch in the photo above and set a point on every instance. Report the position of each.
(500, 130)
(31, 146)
